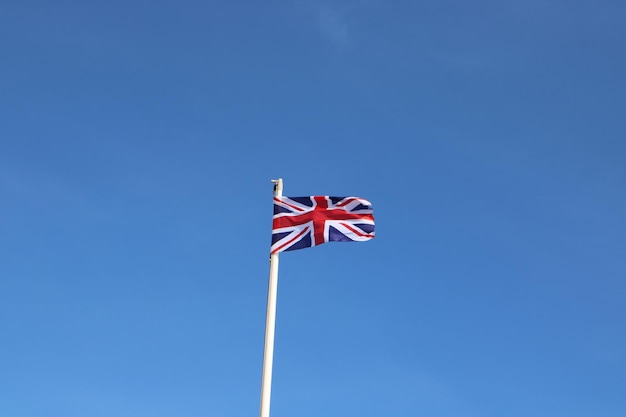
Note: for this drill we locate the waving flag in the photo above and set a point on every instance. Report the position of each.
(302, 222)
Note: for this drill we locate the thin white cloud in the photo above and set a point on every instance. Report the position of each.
(461, 59)
(336, 21)
(333, 25)
(42, 190)
(36, 186)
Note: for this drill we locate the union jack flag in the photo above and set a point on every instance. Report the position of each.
(303, 222)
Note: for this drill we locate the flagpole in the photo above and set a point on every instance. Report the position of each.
(270, 321)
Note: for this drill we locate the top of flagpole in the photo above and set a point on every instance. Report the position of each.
(278, 187)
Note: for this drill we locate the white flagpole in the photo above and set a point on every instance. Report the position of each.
(270, 321)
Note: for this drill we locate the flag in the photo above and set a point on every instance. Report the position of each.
(303, 222)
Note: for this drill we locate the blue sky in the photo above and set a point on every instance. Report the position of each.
(137, 145)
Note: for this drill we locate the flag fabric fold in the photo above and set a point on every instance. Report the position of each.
(303, 222)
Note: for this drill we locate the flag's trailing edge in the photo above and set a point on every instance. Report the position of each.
(303, 222)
